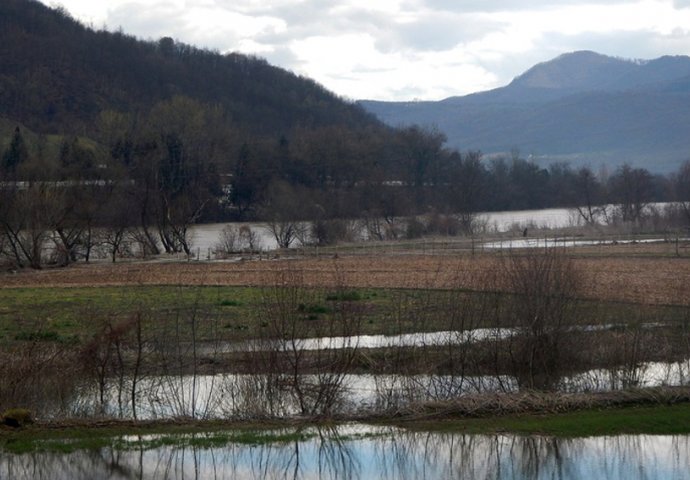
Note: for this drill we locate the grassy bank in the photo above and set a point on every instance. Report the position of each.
(65, 438)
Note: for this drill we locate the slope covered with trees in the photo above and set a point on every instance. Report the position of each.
(106, 140)
(58, 75)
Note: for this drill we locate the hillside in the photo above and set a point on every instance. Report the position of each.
(582, 107)
(57, 75)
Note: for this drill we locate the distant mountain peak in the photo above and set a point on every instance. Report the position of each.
(576, 71)
(582, 107)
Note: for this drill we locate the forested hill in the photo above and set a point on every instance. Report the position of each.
(57, 76)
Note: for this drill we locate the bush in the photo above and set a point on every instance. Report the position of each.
(48, 336)
(230, 303)
(17, 417)
(414, 228)
(348, 296)
(330, 232)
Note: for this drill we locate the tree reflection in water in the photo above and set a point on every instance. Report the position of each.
(351, 452)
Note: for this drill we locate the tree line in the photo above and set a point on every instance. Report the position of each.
(152, 176)
(170, 135)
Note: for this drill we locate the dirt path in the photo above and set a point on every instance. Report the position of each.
(645, 280)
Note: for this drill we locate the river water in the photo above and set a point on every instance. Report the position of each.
(366, 452)
(205, 237)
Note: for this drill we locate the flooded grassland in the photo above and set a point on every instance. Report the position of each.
(528, 337)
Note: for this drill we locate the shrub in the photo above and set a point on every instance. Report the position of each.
(347, 296)
(17, 417)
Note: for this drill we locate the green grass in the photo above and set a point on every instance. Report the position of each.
(125, 438)
(198, 440)
(346, 296)
(649, 420)
(656, 420)
(73, 315)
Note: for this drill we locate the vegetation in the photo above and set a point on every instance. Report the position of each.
(106, 157)
(77, 313)
(651, 420)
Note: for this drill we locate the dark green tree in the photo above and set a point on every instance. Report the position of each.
(16, 154)
(247, 183)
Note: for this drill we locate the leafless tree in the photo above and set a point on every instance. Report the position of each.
(291, 313)
(545, 286)
(682, 189)
(27, 217)
(589, 196)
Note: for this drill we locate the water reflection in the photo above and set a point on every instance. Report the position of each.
(261, 395)
(419, 339)
(379, 453)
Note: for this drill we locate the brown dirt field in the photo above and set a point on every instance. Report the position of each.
(641, 279)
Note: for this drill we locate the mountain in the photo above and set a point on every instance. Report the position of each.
(57, 75)
(581, 107)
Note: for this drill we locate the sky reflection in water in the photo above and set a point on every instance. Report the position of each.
(372, 452)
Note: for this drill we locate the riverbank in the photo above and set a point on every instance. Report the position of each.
(655, 411)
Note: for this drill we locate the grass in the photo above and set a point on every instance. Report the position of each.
(72, 315)
(652, 420)
(150, 442)
(144, 436)
(649, 420)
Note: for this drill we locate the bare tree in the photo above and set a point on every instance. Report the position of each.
(589, 196)
(631, 188)
(545, 287)
(27, 216)
(284, 206)
(292, 313)
(682, 189)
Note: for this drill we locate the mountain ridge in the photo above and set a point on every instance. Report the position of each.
(581, 107)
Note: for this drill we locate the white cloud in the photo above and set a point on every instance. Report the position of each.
(401, 49)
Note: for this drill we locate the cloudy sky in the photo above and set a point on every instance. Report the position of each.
(404, 49)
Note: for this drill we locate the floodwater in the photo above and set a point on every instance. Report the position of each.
(447, 337)
(233, 395)
(205, 237)
(366, 452)
(563, 242)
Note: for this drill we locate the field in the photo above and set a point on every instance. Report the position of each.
(132, 329)
(619, 282)
(638, 273)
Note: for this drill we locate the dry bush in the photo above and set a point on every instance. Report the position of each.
(233, 239)
(545, 286)
(291, 312)
(38, 376)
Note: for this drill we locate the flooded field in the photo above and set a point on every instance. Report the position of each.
(242, 396)
(205, 237)
(363, 452)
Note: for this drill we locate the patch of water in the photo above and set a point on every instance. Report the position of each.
(251, 395)
(372, 453)
(563, 242)
(448, 337)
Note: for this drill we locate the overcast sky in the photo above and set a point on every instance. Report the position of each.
(404, 49)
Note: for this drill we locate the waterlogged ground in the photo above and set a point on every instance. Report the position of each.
(361, 452)
(246, 396)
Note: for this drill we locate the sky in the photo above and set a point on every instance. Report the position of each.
(403, 49)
